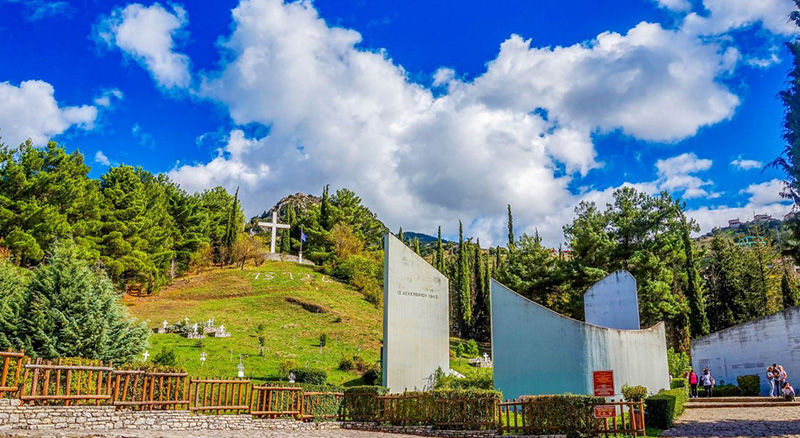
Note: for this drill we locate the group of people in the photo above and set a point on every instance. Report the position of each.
(778, 382)
(706, 379)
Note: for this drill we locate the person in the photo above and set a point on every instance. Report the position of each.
(782, 375)
(708, 381)
(775, 380)
(692, 384)
(771, 380)
(788, 392)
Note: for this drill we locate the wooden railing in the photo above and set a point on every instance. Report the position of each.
(540, 417)
(315, 404)
(53, 382)
(12, 371)
(277, 401)
(452, 413)
(221, 396)
(139, 389)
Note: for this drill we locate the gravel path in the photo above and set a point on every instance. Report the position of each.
(738, 422)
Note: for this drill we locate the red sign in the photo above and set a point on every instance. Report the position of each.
(605, 411)
(603, 383)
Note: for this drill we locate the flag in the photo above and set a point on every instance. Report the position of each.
(303, 236)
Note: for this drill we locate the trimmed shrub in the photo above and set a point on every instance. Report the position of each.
(471, 348)
(750, 385)
(310, 375)
(372, 375)
(680, 382)
(722, 391)
(548, 416)
(285, 366)
(634, 393)
(166, 357)
(346, 364)
(662, 409)
(323, 339)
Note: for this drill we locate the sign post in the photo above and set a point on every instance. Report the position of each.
(603, 383)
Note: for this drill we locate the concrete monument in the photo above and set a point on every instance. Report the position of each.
(750, 348)
(613, 302)
(415, 319)
(536, 351)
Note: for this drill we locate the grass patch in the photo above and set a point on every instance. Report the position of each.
(274, 297)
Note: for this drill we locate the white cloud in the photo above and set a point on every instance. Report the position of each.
(766, 193)
(101, 158)
(518, 133)
(148, 35)
(38, 9)
(744, 164)
(676, 174)
(108, 98)
(726, 15)
(30, 111)
(675, 5)
(144, 138)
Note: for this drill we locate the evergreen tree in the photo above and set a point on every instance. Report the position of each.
(231, 228)
(788, 290)
(325, 210)
(13, 295)
(416, 245)
(480, 328)
(698, 319)
(439, 251)
(400, 235)
(73, 310)
(463, 298)
(285, 245)
(510, 229)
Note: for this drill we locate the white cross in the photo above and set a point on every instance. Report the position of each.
(222, 328)
(274, 225)
(164, 324)
(203, 356)
(195, 328)
(146, 354)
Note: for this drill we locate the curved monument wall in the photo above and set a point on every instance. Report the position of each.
(613, 302)
(751, 347)
(536, 351)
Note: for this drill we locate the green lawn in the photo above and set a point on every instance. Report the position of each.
(242, 302)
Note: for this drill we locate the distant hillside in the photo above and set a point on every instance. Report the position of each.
(292, 304)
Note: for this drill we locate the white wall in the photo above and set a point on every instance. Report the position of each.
(415, 319)
(751, 347)
(536, 351)
(613, 302)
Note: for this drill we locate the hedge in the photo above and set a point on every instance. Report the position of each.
(310, 375)
(679, 382)
(662, 409)
(750, 384)
(722, 391)
(359, 402)
(571, 415)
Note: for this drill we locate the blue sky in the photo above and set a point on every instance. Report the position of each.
(431, 111)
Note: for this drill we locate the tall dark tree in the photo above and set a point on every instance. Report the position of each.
(325, 209)
(698, 319)
(462, 284)
(480, 312)
(789, 290)
(439, 256)
(232, 227)
(510, 229)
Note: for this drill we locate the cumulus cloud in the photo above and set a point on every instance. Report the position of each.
(519, 133)
(30, 111)
(675, 5)
(101, 158)
(766, 193)
(744, 164)
(108, 98)
(726, 15)
(39, 9)
(148, 35)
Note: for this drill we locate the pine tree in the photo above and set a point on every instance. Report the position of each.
(73, 310)
(12, 301)
(510, 229)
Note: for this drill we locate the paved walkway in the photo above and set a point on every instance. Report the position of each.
(738, 422)
(335, 433)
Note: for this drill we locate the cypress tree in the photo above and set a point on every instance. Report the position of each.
(416, 245)
(498, 261)
(463, 284)
(481, 323)
(284, 241)
(400, 235)
(439, 252)
(325, 209)
(510, 229)
(231, 228)
(698, 319)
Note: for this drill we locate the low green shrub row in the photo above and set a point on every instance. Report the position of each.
(548, 415)
(722, 391)
(750, 385)
(662, 409)
(679, 382)
(309, 375)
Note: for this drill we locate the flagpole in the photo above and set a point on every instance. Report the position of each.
(301, 245)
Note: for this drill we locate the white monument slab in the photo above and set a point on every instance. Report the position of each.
(415, 319)
(613, 302)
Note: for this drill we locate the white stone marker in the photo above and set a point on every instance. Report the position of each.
(146, 354)
(274, 225)
(415, 319)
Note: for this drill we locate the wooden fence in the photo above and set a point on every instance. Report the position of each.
(278, 401)
(145, 390)
(221, 396)
(72, 384)
(12, 371)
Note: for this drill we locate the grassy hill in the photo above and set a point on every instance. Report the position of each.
(293, 305)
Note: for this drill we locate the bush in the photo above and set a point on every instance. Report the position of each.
(475, 379)
(471, 349)
(346, 364)
(460, 350)
(750, 385)
(323, 339)
(166, 357)
(359, 403)
(310, 375)
(285, 367)
(722, 391)
(548, 414)
(679, 382)
(634, 393)
(662, 409)
(371, 376)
